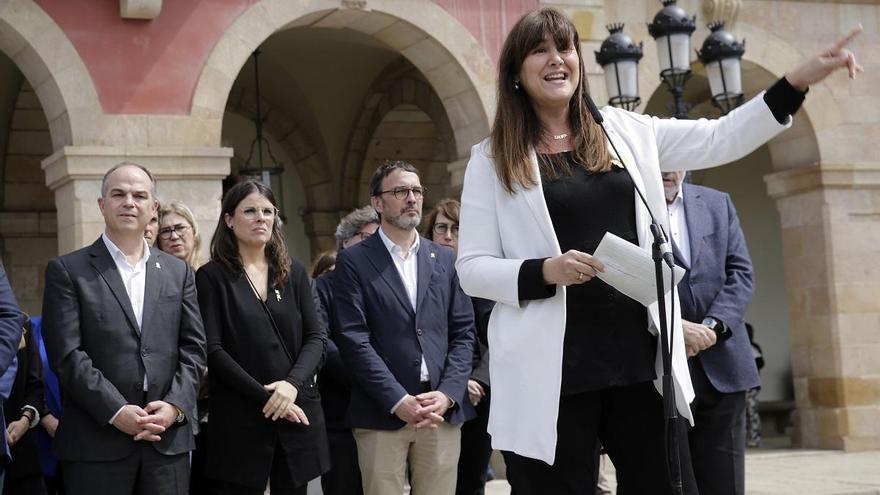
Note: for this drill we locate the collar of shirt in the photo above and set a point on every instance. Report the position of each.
(677, 202)
(119, 256)
(396, 250)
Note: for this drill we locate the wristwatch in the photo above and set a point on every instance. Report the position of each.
(721, 330)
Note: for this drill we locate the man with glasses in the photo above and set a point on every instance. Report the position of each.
(405, 331)
(334, 382)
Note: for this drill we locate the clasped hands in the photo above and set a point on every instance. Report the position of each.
(424, 410)
(146, 423)
(282, 403)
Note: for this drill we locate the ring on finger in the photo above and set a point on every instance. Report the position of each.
(580, 276)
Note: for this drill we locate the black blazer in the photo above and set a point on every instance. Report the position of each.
(334, 379)
(244, 354)
(382, 340)
(27, 390)
(100, 354)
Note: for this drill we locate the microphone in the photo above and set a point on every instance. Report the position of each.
(656, 228)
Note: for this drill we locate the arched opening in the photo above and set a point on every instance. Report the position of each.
(27, 207)
(343, 90)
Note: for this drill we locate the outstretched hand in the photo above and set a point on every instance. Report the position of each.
(819, 66)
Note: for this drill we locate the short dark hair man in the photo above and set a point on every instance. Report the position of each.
(714, 294)
(406, 332)
(124, 334)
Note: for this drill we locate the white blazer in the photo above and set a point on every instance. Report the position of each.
(500, 230)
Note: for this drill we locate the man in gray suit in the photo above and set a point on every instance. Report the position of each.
(124, 334)
(708, 241)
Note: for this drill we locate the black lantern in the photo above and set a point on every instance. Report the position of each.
(672, 30)
(619, 57)
(721, 54)
(267, 173)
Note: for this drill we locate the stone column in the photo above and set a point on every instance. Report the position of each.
(189, 175)
(830, 220)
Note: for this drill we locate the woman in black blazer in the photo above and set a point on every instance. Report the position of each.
(264, 347)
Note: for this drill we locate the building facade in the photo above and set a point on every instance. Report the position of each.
(346, 84)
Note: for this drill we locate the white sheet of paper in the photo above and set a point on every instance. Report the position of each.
(630, 269)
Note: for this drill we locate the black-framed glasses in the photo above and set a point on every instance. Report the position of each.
(251, 212)
(403, 192)
(443, 228)
(179, 229)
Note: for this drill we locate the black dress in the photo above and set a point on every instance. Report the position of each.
(245, 353)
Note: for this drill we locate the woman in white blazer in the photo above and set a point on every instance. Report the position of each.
(573, 359)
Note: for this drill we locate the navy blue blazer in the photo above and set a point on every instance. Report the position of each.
(11, 320)
(382, 340)
(719, 283)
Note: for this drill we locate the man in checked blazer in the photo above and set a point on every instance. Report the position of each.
(406, 332)
(124, 334)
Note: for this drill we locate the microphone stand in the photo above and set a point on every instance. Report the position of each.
(670, 412)
(660, 255)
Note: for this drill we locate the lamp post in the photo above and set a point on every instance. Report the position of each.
(619, 57)
(671, 29)
(269, 175)
(721, 54)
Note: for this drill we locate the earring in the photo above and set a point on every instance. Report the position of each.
(232, 227)
(516, 84)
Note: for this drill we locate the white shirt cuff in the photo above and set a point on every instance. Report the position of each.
(399, 403)
(115, 415)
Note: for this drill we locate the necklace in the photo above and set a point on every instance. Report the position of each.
(559, 137)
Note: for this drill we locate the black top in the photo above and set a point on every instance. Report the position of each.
(606, 337)
(244, 353)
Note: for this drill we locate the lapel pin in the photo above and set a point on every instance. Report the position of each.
(433, 255)
(277, 295)
(158, 266)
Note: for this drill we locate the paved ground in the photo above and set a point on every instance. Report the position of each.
(796, 472)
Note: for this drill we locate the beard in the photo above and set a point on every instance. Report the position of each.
(405, 222)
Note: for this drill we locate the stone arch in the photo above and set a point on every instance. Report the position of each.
(52, 66)
(399, 84)
(453, 62)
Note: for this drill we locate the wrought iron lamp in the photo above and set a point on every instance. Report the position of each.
(721, 54)
(672, 30)
(269, 173)
(619, 57)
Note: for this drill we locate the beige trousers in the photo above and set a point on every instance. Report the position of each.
(432, 455)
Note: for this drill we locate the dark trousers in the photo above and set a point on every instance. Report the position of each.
(476, 448)
(718, 439)
(198, 482)
(344, 477)
(280, 480)
(629, 422)
(145, 471)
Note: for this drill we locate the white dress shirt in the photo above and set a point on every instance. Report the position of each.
(678, 227)
(134, 278)
(407, 266)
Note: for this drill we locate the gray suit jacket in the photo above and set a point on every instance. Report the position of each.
(719, 283)
(100, 354)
